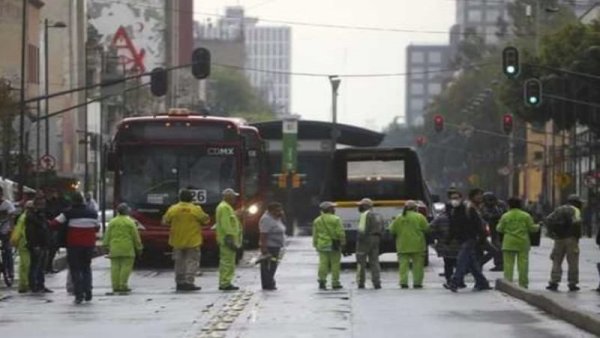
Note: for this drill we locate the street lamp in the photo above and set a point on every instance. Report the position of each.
(335, 84)
(47, 26)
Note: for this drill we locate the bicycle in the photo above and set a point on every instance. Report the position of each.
(6, 263)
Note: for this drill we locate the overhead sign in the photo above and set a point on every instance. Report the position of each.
(289, 154)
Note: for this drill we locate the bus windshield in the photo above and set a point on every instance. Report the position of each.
(152, 176)
(377, 179)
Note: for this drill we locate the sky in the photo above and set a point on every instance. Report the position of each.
(366, 102)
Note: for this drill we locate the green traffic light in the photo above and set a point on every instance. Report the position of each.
(510, 69)
(533, 99)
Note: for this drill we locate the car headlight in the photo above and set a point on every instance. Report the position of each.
(253, 209)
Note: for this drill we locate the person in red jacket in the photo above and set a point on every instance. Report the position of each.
(79, 226)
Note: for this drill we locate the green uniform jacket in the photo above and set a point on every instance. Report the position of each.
(409, 231)
(122, 238)
(516, 225)
(17, 237)
(227, 224)
(326, 228)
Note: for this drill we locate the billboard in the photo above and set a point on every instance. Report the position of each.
(136, 29)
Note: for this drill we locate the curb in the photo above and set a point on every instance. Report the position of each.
(584, 320)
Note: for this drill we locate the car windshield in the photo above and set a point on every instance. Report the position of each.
(152, 177)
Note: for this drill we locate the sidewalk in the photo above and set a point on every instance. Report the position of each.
(579, 308)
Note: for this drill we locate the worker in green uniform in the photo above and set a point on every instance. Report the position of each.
(328, 239)
(19, 241)
(409, 228)
(229, 239)
(516, 225)
(123, 242)
(370, 229)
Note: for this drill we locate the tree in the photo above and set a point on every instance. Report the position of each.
(8, 112)
(230, 94)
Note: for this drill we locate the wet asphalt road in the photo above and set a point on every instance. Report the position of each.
(297, 309)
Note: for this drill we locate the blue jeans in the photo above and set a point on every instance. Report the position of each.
(80, 265)
(36, 268)
(7, 255)
(467, 262)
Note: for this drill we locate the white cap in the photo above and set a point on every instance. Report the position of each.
(229, 192)
(410, 204)
(327, 205)
(366, 201)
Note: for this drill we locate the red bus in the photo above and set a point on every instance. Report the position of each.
(255, 183)
(153, 157)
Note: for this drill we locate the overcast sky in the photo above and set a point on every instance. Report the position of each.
(373, 102)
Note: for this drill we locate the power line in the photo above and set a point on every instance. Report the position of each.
(366, 75)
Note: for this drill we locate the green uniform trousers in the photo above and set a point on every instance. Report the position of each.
(24, 264)
(522, 258)
(330, 262)
(569, 248)
(368, 248)
(418, 265)
(120, 270)
(226, 266)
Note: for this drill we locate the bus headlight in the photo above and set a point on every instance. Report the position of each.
(253, 209)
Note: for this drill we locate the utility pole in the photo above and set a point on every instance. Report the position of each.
(335, 84)
(511, 164)
(21, 161)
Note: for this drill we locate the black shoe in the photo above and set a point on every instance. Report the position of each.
(377, 286)
(497, 268)
(46, 290)
(482, 287)
(337, 287)
(229, 288)
(404, 286)
(88, 296)
(78, 299)
(125, 290)
(417, 286)
(598, 289)
(322, 286)
(188, 287)
(441, 274)
(451, 286)
(23, 290)
(574, 288)
(272, 288)
(552, 287)
(361, 286)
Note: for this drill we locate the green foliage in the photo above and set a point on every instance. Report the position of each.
(230, 94)
(8, 112)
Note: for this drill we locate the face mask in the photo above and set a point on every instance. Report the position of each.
(454, 203)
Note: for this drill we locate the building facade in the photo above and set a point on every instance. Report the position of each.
(263, 52)
(426, 67)
(481, 16)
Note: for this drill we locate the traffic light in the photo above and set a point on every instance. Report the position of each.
(507, 123)
(421, 141)
(159, 80)
(201, 63)
(510, 62)
(438, 122)
(533, 92)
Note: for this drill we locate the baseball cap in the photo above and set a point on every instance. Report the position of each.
(327, 205)
(366, 201)
(229, 191)
(410, 204)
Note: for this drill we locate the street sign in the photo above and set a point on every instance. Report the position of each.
(289, 153)
(47, 162)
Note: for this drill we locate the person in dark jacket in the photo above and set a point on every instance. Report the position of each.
(38, 239)
(81, 225)
(55, 205)
(466, 226)
(446, 247)
(564, 226)
(491, 211)
(598, 264)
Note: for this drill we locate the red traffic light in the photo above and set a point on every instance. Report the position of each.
(438, 122)
(421, 141)
(507, 123)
